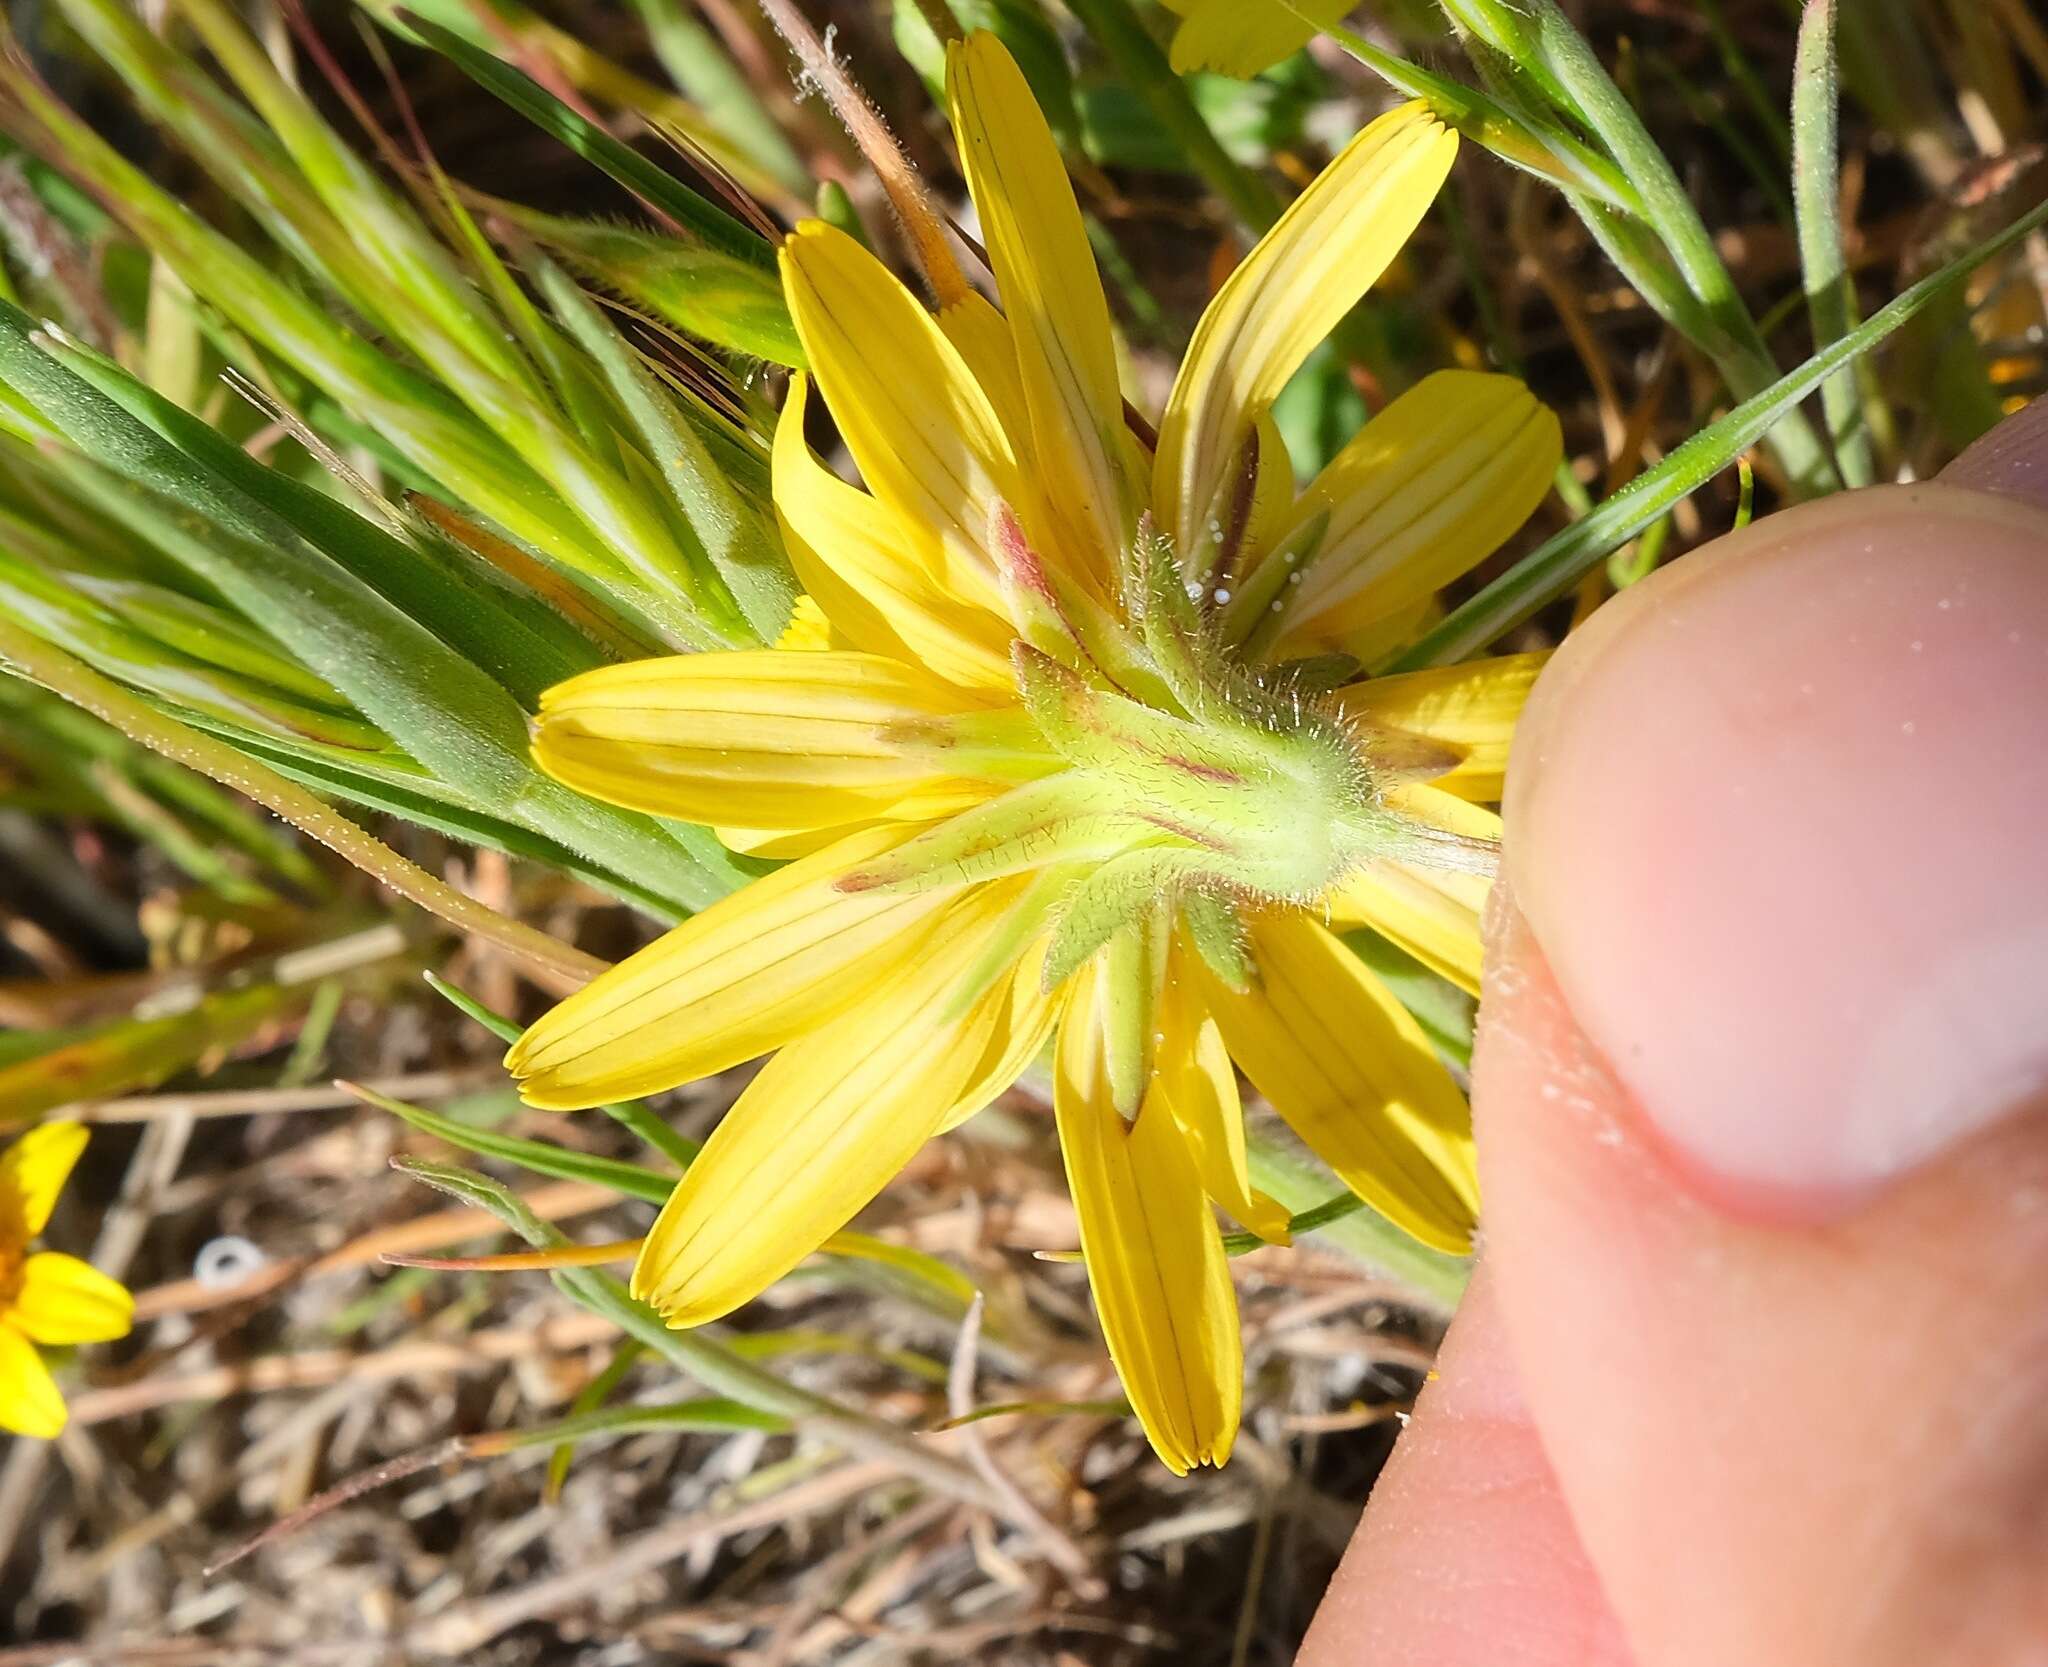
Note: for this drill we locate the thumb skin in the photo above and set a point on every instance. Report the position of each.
(1760, 1083)
(1753, 1368)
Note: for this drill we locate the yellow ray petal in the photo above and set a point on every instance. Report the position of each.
(987, 345)
(767, 963)
(1052, 298)
(1199, 1085)
(865, 569)
(1373, 643)
(1433, 913)
(64, 1300)
(1472, 708)
(1253, 503)
(1305, 274)
(1155, 1260)
(1428, 803)
(827, 1123)
(1244, 37)
(783, 844)
(1421, 494)
(1352, 1073)
(29, 1402)
(808, 628)
(1024, 1019)
(764, 737)
(1428, 912)
(32, 1173)
(928, 441)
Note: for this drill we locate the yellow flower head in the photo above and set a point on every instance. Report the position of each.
(1072, 761)
(45, 1297)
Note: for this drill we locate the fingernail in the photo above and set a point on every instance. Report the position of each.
(2011, 459)
(1778, 818)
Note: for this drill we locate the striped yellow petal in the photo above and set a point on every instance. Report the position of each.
(864, 568)
(767, 738)
(1428, 912)
(1422, 493)
(1155, 1260)
(1471, 709)
(29, 1402)
(808, 628)
(1285, 296)
(783, 844)
(63, 1300)
(1194, 1075)
(986, 344)
(1352, 1073)
(32, 1173)
(1024, 1020)
(788, 952)
(1433, 913)
(1244, 37)
(786, 844)
(1052, 297)
(927, 440)
(1385, 637)
(1427, 802)
(827, 1123)
(1253, 504)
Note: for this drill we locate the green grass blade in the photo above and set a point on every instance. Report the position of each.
(139, 721)
(1548, 572)
(932, 1277)
(629, 1180)
(126, 1054)
(1816, 201)
(440, 707)
(1550, 154)
(498, 447)
(702, 291)
(77, 744)
(697, 214)
(417, 797)
(384, 230)
(1725, 331)
(207, 634)
(718, 1368)
(707, 1416)
(202, 665)
(1285, 1170)
(678, 1148)
(589, 1399)
(697, 61)
(736, 542)
(524, 644)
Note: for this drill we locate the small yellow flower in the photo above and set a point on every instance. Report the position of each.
(45, 1297)
(1070, 761)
